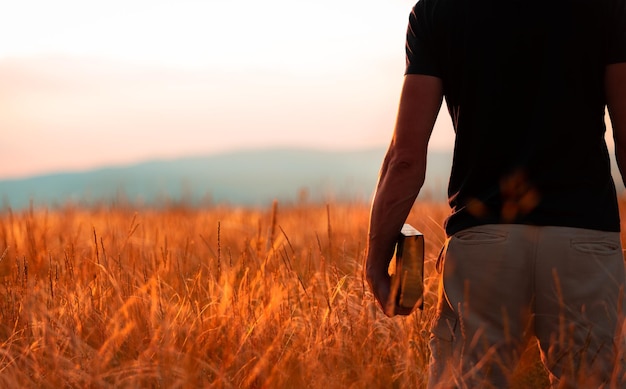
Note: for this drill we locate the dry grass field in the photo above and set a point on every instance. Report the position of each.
(220, 297)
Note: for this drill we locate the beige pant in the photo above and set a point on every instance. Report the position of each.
(505, 284)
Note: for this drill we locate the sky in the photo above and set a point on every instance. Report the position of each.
(86, 84)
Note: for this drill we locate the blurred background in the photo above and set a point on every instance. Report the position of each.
(161, 98)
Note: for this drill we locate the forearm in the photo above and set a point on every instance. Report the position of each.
(401, 178)
(620, 158)
(399, 184)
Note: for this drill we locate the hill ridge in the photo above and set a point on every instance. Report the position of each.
(240, 177)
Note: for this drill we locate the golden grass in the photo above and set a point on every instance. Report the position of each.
(219, 298)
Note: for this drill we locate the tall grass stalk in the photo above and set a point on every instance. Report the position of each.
(115, 297)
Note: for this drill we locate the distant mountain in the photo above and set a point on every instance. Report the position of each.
(238, 178)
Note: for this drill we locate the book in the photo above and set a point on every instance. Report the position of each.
(407, 277)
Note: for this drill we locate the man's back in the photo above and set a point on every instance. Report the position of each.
(534, 236)
(524, 87)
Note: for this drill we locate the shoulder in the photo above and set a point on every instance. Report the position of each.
(435, 8)
(442, 13)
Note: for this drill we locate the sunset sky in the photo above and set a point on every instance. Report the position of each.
(86, 84)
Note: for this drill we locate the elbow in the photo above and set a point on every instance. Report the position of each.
(407, 165)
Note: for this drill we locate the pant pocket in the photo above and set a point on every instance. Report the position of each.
(596, 246)
(481, 235)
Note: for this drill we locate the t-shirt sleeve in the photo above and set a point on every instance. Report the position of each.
(420, 47)
(616, 42)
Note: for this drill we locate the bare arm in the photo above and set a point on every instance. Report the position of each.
(401, 178)
(615, 86)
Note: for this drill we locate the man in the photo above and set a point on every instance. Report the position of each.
(533, 246)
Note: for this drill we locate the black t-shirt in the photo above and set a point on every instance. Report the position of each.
(524, 85)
